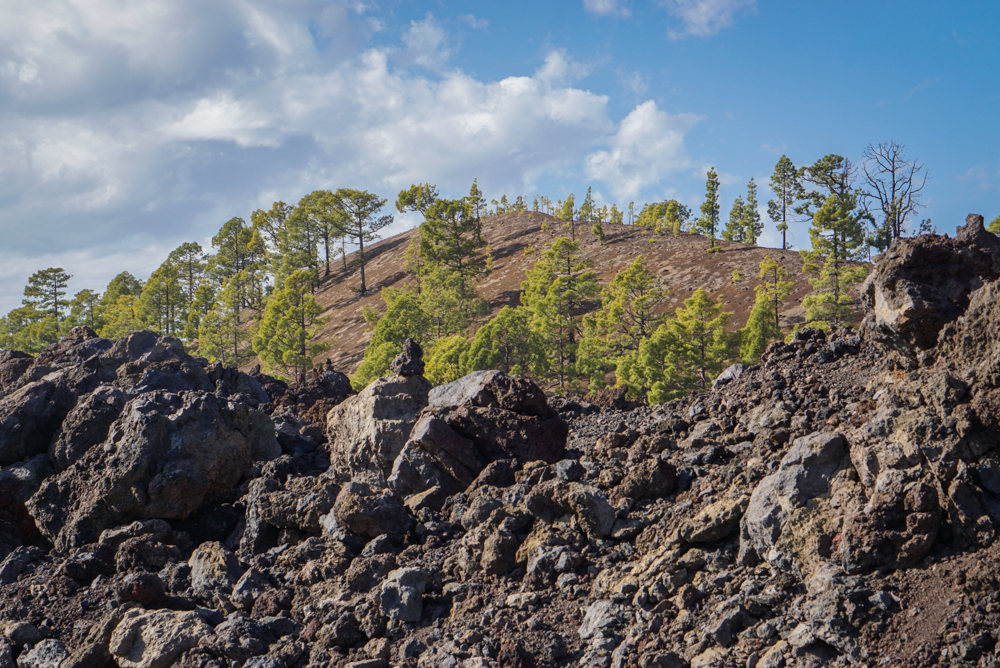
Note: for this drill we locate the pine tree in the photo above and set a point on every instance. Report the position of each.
(46, 290)
(272, 226)
(567, 212)
(327, 220)
(507, 342)
(764, 324)
(478, 203)
(627, 317)
(361, 224)
(446, 359)
(787, 186)
(752, 225)
(709, 221)
(418, 197)
(556, 290)
(85, 310)
(617, 217)
(222, 336)
(404, 318)
(289, 325)
(161, 302)
(204, 301)
(734, 228)
(189, 259)
(587, 209)
(994, 226)
(837, 235)
(682, 354)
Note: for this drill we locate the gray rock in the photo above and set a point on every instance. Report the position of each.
(570, 470)
(601, 617)
(409, 362)
(213, 568)
(46, 654)
(6, 656)
(804, 473)
(264, 662)
(402, 593)
(731, 373)
(367, 432)
(369, 512)
(166, 457)
(154, 639)
(554, 498)
(22, 633)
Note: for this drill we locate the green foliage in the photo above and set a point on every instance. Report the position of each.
(46, 290)
(627, 318)
(290, 322)
(752, 225)
(734, 228)
(404, 318)
(161, 303)
(764, 324)
(222, 336)
(318, 221)
(617, 217)
(682, 354)
(418, 197)
(759, 330)
(360, 222)
(507, 342)
(555, 292)
(121, 316)
(669, 216)
(85, 310)
(994, 227)
(709, 221)
(786, 182)
(190, 262)
(588, 211)
(446, 359)
(598, 231)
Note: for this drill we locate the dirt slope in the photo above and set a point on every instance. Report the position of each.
(680, 261)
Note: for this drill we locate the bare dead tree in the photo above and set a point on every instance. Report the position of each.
(893, 185)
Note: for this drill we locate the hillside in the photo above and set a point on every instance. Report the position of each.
(681, 261)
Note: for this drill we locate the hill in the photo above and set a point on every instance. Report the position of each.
(680, 261)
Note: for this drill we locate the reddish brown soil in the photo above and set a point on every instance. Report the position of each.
(682, 262)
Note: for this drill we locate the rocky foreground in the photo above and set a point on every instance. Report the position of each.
(836, 505)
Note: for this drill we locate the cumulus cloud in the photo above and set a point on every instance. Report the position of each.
(127, 128)
(648, 146)
(704, 18)
(426, 44)
(608, 7)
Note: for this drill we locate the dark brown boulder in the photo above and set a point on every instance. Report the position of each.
(484, 417)
(165, 457)
(13, 364)
(924, 283)
(30, 417)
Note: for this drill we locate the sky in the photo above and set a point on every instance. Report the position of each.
(128, 127)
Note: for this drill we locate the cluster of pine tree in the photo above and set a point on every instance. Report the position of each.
(251, 295)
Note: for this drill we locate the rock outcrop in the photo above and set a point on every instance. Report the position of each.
(828, 506)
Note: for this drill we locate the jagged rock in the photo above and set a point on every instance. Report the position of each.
(30, 417)
(213, 568)
(730, 374)
(471, 422)
(165, 457)
(716, 520)
(147, 589)
(409, 362)
(87, 424)
(367, 431)
(971, 340)
(13, 365)
(313, 400)
(22, 633)
(402, 594)
(239, 638)
(154, 639)
(601, 616)
(368, 512)
(779, 512)
(650, 479)
(46, 654)
(921, 284)
(554, 498)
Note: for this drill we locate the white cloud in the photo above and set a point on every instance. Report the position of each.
(426, 44)
(648, 146)
(704, 18)
(474, 21)
(608, 7)
(129, 127)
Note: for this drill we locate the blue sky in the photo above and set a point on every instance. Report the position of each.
(128, 127)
